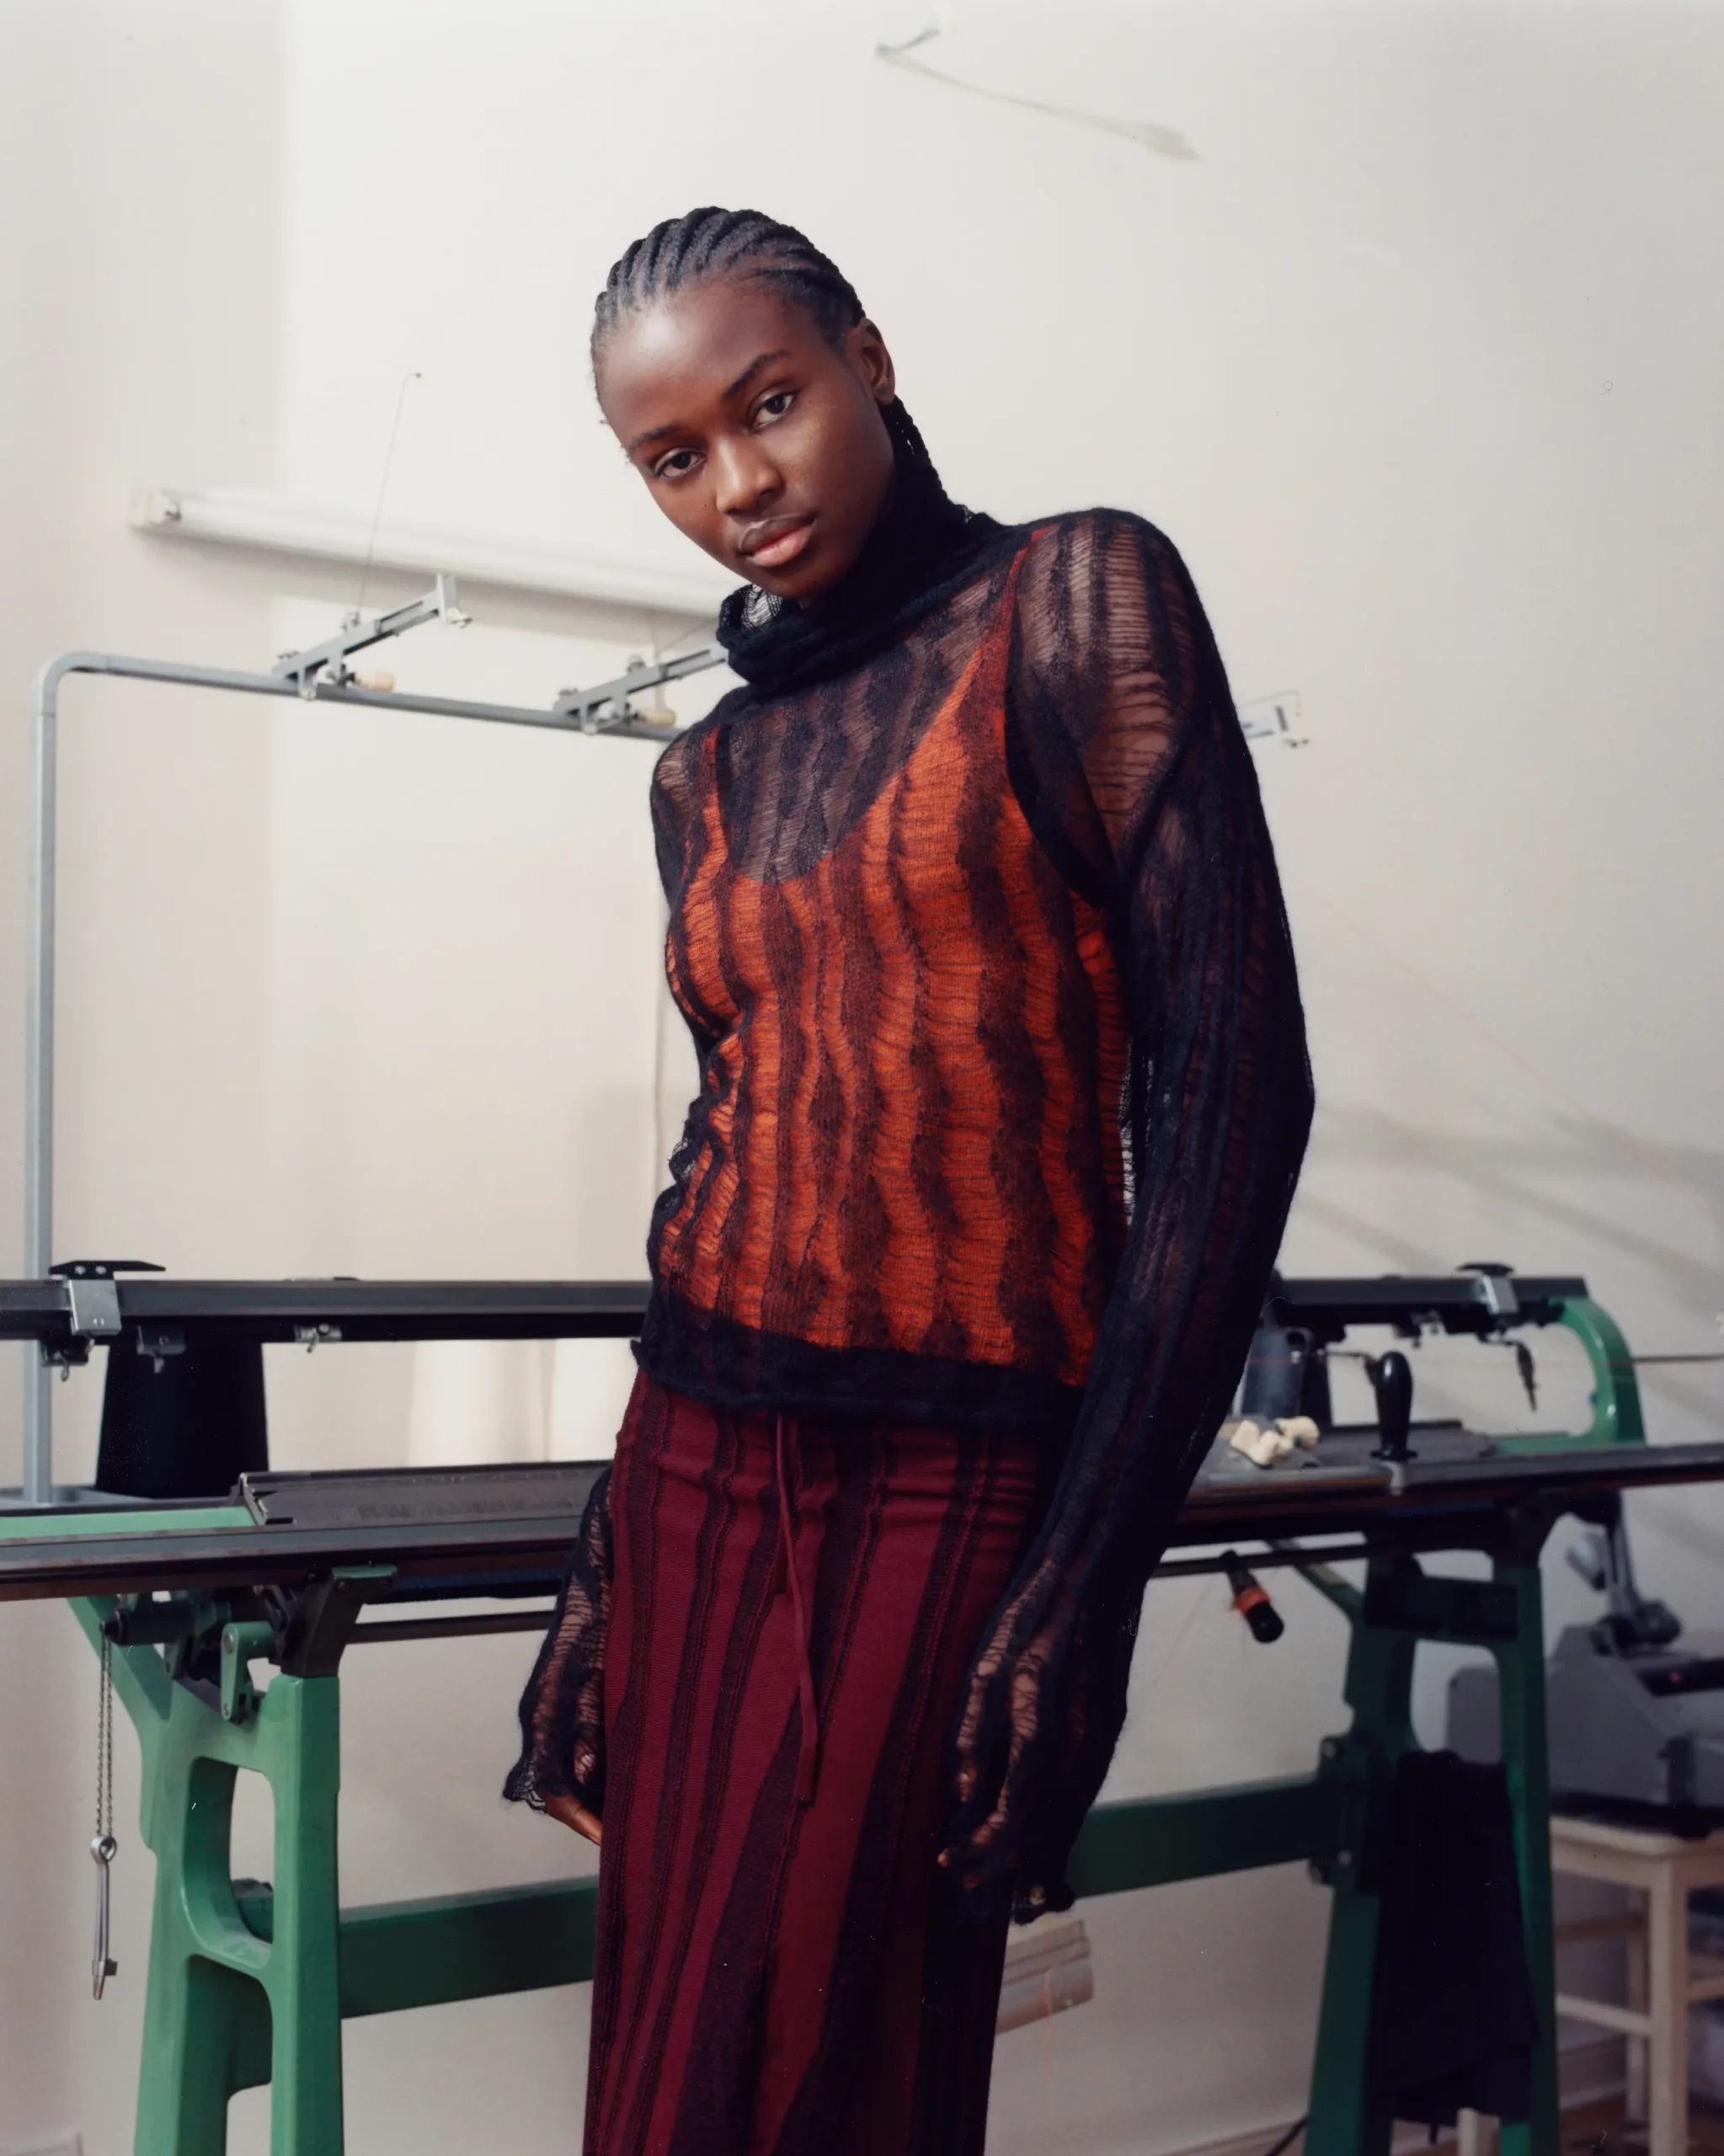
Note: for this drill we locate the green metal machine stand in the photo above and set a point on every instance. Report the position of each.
(1336, 1820)
(1401, 1606)
(250, 1983)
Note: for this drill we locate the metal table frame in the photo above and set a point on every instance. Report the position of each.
(249, 1983)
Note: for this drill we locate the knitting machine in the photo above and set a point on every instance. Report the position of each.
(193, 1565)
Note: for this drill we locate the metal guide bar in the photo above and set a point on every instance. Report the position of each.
(1473, 1300)
(287, 1311)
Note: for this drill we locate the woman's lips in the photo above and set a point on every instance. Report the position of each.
(781, 544)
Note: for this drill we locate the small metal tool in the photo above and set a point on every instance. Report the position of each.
(103, 1848)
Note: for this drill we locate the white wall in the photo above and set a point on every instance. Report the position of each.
(1418, 359)
(140, 160)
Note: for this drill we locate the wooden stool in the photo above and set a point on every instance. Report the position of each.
(1662, 1981)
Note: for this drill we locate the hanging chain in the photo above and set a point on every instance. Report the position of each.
(104, 1743)
(103, 1846)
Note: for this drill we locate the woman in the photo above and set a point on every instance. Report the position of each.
(1003, 1095)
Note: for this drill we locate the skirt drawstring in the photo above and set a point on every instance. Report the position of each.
(807, 1754)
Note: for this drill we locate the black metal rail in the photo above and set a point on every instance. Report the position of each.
(279, 1312)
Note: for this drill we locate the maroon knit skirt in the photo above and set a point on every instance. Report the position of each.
(782, 1968)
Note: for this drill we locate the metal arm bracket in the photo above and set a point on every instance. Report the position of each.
(302, 668)
(602, 709)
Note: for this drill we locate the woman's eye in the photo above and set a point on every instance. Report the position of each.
(777, 405)
(676, 464)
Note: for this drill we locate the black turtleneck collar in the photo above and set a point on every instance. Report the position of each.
(924, 547)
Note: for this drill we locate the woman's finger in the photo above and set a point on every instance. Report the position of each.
(573, 1813)
(981, 1838)
(975, 1705)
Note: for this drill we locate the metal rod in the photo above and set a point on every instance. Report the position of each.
(37, 1481)
(1349, 1553)
(39, 1076)
(449, 1628)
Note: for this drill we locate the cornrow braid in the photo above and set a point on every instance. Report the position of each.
(714, 242)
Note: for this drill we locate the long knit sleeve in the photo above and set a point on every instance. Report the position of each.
(1131, 765)
(563, 1707)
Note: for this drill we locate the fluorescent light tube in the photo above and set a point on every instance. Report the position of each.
(272, 524)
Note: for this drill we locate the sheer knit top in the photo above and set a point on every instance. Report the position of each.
(901, 1187)
(1003, 1086)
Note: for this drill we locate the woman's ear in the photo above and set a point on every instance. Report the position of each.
(865, 348)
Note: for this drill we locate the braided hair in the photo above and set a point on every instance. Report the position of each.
(713, 242)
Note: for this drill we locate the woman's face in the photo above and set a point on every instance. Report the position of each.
(760, 439)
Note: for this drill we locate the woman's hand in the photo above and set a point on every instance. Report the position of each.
(1000, 1823)
(1033, 1744)
(574, 1813)
(561, 1770)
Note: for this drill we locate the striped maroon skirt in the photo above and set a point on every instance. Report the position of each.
(782, 1968)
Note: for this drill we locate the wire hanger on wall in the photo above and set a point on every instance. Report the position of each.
(412, 375)
(1150, 134)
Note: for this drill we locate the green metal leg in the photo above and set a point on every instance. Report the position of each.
(205, 1962)
(214, 1983)
(1526, 1757)
(303, 1973)
(1344, 2119)
(1401, 1606)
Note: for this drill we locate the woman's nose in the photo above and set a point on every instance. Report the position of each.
(744, 480)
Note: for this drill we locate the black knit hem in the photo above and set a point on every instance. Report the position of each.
(732, 1365)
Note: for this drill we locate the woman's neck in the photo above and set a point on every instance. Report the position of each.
(921, 541)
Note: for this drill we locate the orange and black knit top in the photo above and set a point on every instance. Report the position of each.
(976, 923)
(903, 1185)
(1004, 1092)
(933, 926)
